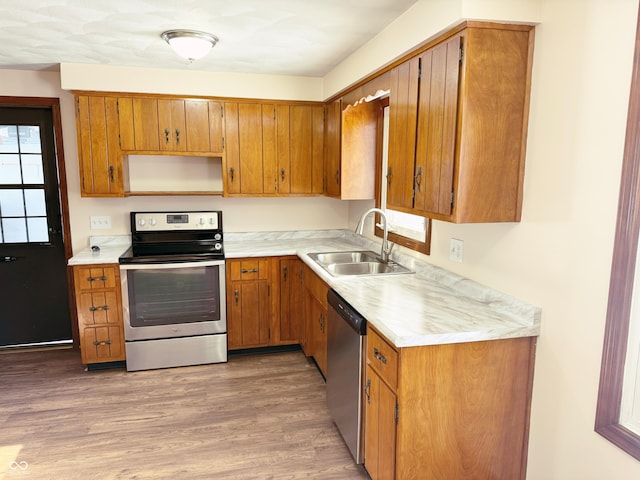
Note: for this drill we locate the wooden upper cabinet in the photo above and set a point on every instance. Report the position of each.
(146, 124)
(458, 123)
(171, 126)
(436, 140)
(273, 149)
(98, 149)
(403, 110)
(332, 164)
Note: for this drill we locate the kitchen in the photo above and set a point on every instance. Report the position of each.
(541, 259)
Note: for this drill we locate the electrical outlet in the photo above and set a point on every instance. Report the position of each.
(456, 249)
(102, 222)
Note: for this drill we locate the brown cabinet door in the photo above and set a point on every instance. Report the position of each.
(436, 142)
(332, 137)
(250, 140)
(317, 332)
(403, 111)
(283, 146)
(248, 314)
(102, 344)
(291, 300)
(197, 128)
(231, 171)
(145, 124)
(98, 146)
(269, 149)
(171, 125)
(216, 127)
(380, 428)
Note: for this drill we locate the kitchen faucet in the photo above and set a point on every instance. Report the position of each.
(385, 250)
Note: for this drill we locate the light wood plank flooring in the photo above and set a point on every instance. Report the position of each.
(255, 417)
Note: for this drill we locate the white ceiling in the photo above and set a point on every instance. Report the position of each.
(288, 37)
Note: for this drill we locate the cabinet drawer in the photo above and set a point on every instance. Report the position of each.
(98, 308)
(97, 277)
(249, 269)
(102, 344)
(382, 357)
(316, 287)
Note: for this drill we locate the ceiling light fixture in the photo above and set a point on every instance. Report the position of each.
(190, 44)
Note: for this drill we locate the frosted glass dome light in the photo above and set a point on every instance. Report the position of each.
(190, 44)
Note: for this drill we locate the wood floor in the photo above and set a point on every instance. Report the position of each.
(255, 417)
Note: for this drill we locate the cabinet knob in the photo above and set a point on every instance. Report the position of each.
(418, 178)
(166, 136)
(282, 172)
(379, 356)
(236, 295)
(367, 390)
(177, 137)
(232, 171)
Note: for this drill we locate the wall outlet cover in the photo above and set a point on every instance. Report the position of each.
(101, 222)
(456, 250)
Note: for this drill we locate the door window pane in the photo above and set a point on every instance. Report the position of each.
(34, 201)
(14, 230)
(11, 203)
(38, 231)
(29, 138)
(32, 169)
(8, 138)
(10, 169)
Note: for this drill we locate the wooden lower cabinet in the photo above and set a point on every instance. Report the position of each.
(264, 302)
(99, 307)
(447, 411)
(316, 308)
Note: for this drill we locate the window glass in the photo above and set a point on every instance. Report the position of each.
(10, 169)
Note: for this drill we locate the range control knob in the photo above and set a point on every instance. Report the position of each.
(152, 221)
(141, 222)
(218, 246)
(217, 236)
(201, 221)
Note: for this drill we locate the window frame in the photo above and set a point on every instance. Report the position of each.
(625, 252)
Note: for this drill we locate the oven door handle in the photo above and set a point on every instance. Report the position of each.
(167, 266)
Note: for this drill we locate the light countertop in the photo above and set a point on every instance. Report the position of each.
(429, 307)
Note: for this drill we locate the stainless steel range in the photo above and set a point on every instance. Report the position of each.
(173, 290)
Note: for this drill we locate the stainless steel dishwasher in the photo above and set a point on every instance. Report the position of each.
(345, 342)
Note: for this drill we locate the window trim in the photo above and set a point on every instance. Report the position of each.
(621, 284)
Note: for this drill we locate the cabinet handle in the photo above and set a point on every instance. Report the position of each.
(106, 342)
(232, 171)
(418, 178)
(166, 136)
(102, 278)
(367, 390)
(101, 307)
(284, 272)
(321, 321)
(389, 177)
(253, 270)
(236, 295)
(338, 176)
(379, 356)
(282, 172)
(111, 173)
(177, 137)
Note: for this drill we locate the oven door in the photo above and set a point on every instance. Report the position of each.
(173, 299)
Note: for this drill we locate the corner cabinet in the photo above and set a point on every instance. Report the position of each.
(458, 124)
(99, 308)
(447, 411)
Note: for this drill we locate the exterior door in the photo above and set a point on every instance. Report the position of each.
(34, 301)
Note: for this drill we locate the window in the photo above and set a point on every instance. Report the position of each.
(411, 231)
(23, 213)
(618, 410)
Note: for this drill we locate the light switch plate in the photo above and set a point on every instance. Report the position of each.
(456, 250)
(102, 222)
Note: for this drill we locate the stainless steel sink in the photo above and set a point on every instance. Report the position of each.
(356, 263)
(344, 257)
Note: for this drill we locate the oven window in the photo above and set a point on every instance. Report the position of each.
(173, 296)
